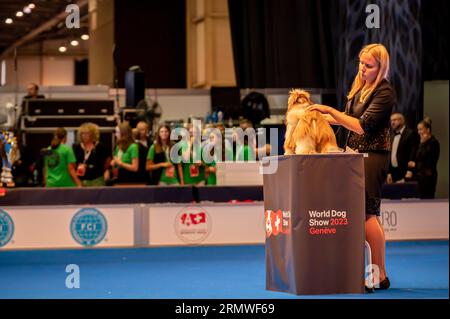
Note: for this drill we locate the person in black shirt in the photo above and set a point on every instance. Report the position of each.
(144, 142)
(33, 92)
(92, 158)
(367, 119)
(22, 167)
(425, 162)
(404, 142)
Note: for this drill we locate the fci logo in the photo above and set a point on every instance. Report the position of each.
(6, 228)
(88, 227)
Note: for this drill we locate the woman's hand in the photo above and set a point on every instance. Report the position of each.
(119, 162)
(166, 164)
(327, 112)
(324, 109)
(411, 164)
(210, 169)
(115, 161)
(389, 179)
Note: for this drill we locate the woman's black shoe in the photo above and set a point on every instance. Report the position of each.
(385, 284)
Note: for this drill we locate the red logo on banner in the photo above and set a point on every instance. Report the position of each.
(278, 222)
(193, 224)
(194, 219)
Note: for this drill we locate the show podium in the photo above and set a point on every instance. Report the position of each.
(314, 221)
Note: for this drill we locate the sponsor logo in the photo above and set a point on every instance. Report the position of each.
(193, 224)
(88, 227)
(389, 220)
(277, 222)
(6, 228)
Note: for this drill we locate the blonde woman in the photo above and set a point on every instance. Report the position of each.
(92, 157)
(367, 118)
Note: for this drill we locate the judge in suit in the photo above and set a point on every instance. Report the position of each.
(404, 143)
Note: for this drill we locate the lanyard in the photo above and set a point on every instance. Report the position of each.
(87, 153)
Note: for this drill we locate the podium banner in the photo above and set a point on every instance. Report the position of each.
(314, 220)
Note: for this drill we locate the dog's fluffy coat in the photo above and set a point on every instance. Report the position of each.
(306, 132)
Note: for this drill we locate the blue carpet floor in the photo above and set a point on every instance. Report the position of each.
(416, 270)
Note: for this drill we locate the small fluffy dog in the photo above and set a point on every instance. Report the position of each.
(306, 132)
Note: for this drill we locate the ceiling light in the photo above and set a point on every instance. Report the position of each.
(85, 37)
(27, 10)
(31, 6)
(74, 43)
(9, 21)
(62, 49)
(19, 14)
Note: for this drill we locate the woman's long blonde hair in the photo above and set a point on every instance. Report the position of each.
(381, 55)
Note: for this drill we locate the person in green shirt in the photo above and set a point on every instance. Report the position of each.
(126, 156)
(210, 173)
(60, 162)
(193, 170)
(158, 159)
(211, 146)
(244, 153)
(246, 150)
(239, 150)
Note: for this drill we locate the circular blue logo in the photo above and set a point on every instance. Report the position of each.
(88, 227)
(6, 228)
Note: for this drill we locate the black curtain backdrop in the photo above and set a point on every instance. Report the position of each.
(434, 22)
(315, 43)
(400, 32)
(282, 44)
(152, 34)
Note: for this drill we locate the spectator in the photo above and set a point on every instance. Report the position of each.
(244, 148)
(164, 172)
(91, 155)
(126, 156)
(404, 142)
(425, 163)
(33, 92)
(60, 162)
(22, 165)
(212, 152)
(144, 142)
(193, 167)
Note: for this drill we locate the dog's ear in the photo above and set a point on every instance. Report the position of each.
(297, 96)
(304, 97)
(292, 99)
